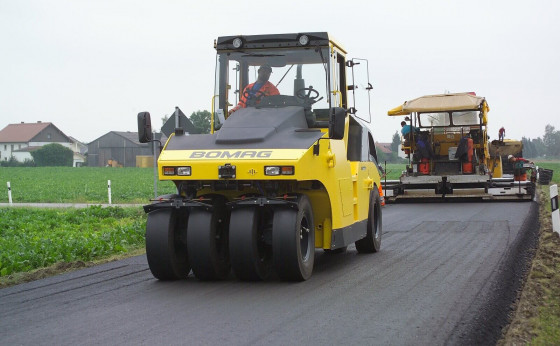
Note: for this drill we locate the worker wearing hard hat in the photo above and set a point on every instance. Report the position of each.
(255, 91)
(519, 170)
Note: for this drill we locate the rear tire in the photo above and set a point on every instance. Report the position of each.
(207, 242)
(293, 241)
(166, 248)
(249, 254)
(372, 241)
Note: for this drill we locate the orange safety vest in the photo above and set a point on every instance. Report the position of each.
(267, 89)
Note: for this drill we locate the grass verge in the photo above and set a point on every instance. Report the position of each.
(62, 239)
(536, 320)
(63, 267)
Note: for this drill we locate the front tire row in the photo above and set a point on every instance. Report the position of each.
(252, 241)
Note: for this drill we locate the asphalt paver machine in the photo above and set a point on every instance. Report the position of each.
(448, 153)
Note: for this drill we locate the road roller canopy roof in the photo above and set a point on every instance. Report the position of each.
(439, 103)
(292, 40)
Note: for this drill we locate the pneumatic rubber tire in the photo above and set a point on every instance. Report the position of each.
(293, 241)
(249, 255)
(166, 248)
(372, 241)
(207, 242)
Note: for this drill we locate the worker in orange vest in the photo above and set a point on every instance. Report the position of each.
(255, 91)
(519, 169)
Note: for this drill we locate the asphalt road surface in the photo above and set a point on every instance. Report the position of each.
(446, 274)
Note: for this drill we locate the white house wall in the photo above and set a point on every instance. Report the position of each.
(79, 160)
(22, 156)
(6, 149)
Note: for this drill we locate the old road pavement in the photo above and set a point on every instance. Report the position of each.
(446, 274)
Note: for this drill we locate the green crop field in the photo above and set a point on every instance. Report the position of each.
(79, 185)
(555, 166)
(393, 170)
(33, 238)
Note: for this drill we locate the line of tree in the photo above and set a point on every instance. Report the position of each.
(548, 146)
(201, 120)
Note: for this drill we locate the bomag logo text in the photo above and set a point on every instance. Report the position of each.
(226, 154)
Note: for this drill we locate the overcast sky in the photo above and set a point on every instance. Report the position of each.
(90, 66)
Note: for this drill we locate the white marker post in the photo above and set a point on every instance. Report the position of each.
(109, 190)
(9, 193)
(554, 208)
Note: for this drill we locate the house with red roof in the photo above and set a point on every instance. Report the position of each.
(19, 140)
(383, 147)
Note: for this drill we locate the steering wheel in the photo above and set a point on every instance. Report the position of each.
(253, 97)
(308, 94)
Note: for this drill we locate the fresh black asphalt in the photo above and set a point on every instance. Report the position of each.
(447, 273)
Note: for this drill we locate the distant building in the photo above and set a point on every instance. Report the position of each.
(117, 148)
(80, 151)
(383, 147)
(19, 140)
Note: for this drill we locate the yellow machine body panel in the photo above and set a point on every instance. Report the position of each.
(343, 201)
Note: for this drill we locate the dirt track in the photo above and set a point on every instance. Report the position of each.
(447, 273)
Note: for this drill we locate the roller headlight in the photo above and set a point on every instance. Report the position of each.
(184, 170)
(304, 40)
(279, 170)
(237, 43)
(272, 170)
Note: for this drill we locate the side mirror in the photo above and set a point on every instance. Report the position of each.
(144, 127)
(337, 119)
